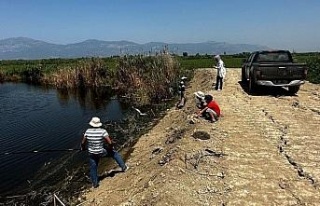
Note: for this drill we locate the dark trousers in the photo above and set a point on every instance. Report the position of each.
(219, 83)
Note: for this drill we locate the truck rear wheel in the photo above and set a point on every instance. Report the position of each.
(294, 89)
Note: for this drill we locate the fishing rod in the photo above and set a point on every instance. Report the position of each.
(40, 151)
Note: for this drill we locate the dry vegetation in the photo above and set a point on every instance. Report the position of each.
(142, 79)
(263, 151)
(147, 79)
(87, 73)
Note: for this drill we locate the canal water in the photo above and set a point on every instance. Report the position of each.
(35, 118)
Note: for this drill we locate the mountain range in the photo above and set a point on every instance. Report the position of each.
(27, 48)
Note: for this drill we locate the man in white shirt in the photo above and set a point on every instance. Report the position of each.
(221, 72)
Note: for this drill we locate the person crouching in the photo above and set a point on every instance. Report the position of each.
(199, 100)
(212, 110)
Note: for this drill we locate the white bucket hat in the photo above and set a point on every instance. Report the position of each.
(95, 122)
(199, 94)
(217, 57)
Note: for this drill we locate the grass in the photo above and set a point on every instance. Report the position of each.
(314, 69)
(207, 61)
(235, 61)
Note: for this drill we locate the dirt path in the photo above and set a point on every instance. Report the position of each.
(264, 151)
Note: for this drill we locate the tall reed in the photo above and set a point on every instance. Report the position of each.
(147, 79)
(86, 73)
(143, 79)
(1, 77)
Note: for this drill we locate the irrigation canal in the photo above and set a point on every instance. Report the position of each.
(35, 119)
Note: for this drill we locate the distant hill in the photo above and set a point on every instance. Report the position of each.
(26, 48)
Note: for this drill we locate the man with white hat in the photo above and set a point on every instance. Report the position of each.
(221, 72)
(94, 138)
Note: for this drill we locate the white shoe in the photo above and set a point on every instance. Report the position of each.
(125, 169)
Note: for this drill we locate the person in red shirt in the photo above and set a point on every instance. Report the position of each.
(211, 111)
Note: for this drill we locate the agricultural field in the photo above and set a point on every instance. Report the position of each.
(235, 61)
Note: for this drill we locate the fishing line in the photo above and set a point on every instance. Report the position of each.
(39, 151)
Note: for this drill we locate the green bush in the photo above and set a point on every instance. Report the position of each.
(313, 64)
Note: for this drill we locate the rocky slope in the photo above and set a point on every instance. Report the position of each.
(265, 150)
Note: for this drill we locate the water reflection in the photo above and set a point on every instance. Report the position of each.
(42, 118)
(93, 98)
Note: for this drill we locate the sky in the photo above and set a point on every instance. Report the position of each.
(278, 24)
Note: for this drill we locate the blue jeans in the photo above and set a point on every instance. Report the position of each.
(94, 162)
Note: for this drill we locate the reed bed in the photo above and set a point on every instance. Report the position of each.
(2, 77)
(147, 79)
(142, 79)
(86, 73)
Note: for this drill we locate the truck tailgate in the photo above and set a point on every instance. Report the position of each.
(281, 71)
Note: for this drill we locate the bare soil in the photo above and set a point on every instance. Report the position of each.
(265, 150)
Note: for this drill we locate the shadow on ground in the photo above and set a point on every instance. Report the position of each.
(110, 173)
(266, 91)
